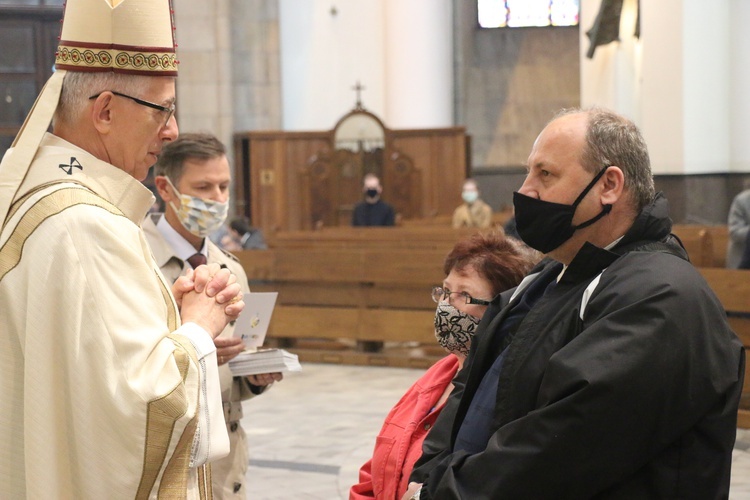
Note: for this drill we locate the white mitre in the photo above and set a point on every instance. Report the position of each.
(122, 36)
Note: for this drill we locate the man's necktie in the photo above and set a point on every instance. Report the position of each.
(197, 260)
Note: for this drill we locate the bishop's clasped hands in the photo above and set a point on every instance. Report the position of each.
(209, 281)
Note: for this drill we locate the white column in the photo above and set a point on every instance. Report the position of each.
(674, 82)
(612, 79)
(418, 63)
(326, 47)
(706, 34)
(205, 73)
(739, 85)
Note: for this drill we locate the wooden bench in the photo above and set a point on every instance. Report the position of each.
(732, 287)
(358, 302)
(351, 305)
(498, 220)
(706, 245)
(412, 237)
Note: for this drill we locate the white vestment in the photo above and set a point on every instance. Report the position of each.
(103, 394)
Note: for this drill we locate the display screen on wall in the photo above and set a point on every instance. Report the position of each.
(524, 13)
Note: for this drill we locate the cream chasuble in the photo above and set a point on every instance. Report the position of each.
(102, 393)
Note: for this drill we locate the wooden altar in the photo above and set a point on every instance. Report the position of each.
(305, 180)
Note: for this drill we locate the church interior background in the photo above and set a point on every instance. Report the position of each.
(289, 85)
(291, 65)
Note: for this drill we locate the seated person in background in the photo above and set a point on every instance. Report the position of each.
(477, 269)
(241, 236)
(745, 261)
(473, 212)
(192, 176)
(373, 211)
(739, 226)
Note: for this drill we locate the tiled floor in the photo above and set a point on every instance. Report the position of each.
(309, 434)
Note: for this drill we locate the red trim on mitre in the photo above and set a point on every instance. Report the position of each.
(84, 69)
(116, 46)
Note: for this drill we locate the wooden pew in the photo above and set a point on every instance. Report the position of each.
(498, 220)
(412, 237)
(352, 301)
(732, 287)
(719, 241)
(351, 305)
(706, 245)
(698, 242)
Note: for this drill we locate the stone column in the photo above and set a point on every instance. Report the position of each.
(674, 81)
(419, 63)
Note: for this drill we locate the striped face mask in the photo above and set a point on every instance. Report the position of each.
(200, 217)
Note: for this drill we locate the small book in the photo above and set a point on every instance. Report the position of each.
(264, 361)
(253, 322)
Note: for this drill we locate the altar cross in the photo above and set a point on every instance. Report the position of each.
(359, 88)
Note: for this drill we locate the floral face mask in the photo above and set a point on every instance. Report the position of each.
(454, 329)
(200, 217)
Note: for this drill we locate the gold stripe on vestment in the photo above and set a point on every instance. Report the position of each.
(162, 415)
(204, 482)
(46, 207)
(172, 317)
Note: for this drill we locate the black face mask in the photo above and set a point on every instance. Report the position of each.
(371, 193)
(544, 225)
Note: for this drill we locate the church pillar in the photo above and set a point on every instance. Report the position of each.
(326, 48)
(739, 85)
(674, 81)
(255, 62)
(418, 63)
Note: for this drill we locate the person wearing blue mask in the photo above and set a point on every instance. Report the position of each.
(473, 212)
(192, 176)
(610, 371)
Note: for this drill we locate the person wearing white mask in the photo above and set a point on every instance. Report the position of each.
(192, 176)
(473, 212)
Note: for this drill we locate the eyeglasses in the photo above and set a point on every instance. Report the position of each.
(168, 110)
(439, 293)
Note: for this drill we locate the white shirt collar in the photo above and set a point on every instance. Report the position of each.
(182, 247)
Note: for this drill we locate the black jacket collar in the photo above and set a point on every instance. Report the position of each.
(652, 224)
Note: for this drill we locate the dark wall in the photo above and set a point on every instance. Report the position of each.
(693, 199)
(509, 83)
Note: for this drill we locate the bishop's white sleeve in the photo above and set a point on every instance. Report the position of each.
(211, 441)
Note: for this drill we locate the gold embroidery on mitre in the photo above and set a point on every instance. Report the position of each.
(130, 60)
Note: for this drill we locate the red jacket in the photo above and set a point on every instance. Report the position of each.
(399, 444)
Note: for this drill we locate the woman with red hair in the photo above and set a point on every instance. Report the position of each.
(477, 269)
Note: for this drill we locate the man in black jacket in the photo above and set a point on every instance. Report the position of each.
(611, 371)
(373, 211)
